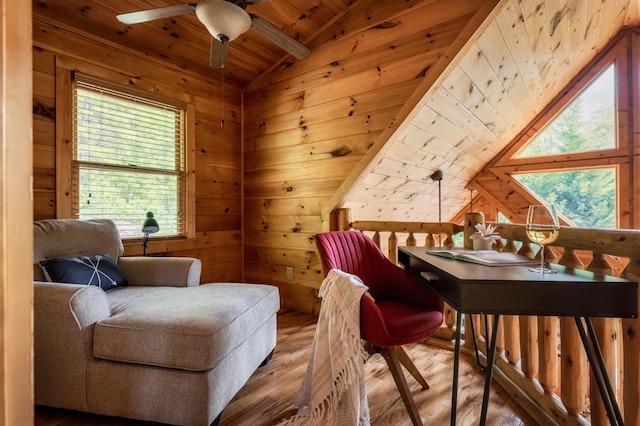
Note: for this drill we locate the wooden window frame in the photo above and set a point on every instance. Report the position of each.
(621, 53)
(64, 148)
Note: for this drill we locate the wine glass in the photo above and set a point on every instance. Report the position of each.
(542, 228)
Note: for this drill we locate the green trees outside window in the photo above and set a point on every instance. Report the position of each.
(587, 197)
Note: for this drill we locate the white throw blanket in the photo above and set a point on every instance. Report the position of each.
(333, 390)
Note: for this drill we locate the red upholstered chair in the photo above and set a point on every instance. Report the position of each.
(403, 309)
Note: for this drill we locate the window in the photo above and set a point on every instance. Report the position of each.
(128, 156)
(585, 197)
(575, 161)
(587, 124)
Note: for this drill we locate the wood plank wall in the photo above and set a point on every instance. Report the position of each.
(218, 169)
(310, 123)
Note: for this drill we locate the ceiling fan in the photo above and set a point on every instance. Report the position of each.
(225, 20)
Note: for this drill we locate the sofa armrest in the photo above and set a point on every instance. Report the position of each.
(161, 271)
(64, 320)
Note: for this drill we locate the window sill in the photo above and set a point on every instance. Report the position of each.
(157, 245)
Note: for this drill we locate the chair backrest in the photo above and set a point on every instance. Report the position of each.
(57, 238)
(355, 253)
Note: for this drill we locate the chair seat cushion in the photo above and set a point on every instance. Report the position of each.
(404, 324)
(189, 328)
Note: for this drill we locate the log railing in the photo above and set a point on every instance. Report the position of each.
(540, 360)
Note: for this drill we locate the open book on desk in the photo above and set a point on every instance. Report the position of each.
(483, 257)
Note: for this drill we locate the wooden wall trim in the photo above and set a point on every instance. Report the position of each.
(435, 75)
(64, 152)
(16, 215)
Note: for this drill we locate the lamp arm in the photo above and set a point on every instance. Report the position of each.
(145, 241)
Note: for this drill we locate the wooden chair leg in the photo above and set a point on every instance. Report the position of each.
(411, 367)
(390, 354)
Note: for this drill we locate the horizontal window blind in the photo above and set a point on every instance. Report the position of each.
(128, 159)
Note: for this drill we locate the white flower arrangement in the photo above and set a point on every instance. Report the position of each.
(485, 233)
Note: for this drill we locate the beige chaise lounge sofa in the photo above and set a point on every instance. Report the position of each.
(162, 348)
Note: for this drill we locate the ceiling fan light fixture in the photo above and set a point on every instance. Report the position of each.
(222, 18)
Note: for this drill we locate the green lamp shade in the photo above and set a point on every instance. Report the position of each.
(150, 225)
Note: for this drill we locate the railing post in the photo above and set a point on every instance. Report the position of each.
(470, 221)
(343, 219)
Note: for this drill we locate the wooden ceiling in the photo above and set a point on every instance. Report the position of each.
(185, 42)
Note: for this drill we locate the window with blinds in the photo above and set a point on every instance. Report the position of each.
(128, 159)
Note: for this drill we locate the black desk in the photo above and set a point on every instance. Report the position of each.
(514, 290)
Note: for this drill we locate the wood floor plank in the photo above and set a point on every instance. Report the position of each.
(268, 396)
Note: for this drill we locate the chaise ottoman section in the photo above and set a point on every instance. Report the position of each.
(191, 328)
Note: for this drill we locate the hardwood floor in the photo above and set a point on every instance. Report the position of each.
(267, 397)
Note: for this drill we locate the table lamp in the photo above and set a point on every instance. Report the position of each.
(150, 226)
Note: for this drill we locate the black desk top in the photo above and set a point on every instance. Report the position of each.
(514, 290)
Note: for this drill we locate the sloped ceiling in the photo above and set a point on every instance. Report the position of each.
(516, 63)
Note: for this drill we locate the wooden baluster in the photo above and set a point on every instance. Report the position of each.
(483, 323)
(510, 247)
(393, 248)
(529, 346)
(607, 334)
(600, 264)
(448, 240)
(376, 238)
(430, 241)
(468, 337)
(526, 250)
(570, 259)
(548, 350)
(574, 371)
(631, 365)
(449, 316)
(500, 346)
(411, 240)
(549, 255)
(511, 338)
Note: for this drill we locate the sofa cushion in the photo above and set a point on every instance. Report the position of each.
(190, 328)
(99, 270)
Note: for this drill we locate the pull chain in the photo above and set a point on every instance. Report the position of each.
(222, 100)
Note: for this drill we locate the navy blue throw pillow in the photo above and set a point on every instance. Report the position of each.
(99, 270)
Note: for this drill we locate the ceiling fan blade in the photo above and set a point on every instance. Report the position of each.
(274, 34)
(159, 13)
(218, 53)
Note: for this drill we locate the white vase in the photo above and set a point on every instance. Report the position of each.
(481, 245)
